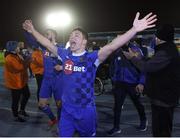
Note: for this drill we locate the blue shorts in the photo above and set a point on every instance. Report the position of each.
(85, 124)
(51, 86)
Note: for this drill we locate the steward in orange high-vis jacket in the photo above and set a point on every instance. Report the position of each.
(16, 79)
(37, 67)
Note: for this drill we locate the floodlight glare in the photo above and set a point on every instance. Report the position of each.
(58, 19)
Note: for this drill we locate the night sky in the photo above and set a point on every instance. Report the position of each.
(92, 15)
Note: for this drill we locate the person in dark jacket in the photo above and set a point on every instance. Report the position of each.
(162, 81)
(126, 79)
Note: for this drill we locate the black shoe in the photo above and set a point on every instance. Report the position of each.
(19, 119)
(23, 113)
(143, 125)
(114, 131)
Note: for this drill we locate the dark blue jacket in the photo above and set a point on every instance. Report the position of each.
(122, 70)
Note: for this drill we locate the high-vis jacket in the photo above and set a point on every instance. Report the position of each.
(15, 72)
(37, 62)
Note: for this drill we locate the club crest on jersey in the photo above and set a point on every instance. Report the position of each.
(69, 67)
(47, 53)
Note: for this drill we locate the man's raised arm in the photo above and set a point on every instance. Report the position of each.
(138, 25)
(28, 26)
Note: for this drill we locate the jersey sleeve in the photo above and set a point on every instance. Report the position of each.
(32, 41)
(94, 57)
(62, 53)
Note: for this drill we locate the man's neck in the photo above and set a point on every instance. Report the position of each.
(79, 53)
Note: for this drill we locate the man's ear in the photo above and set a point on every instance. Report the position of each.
(84, 42)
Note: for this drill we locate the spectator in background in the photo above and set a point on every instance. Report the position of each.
(37, 67)
(16, 79)
(162, 81)
(26, 53)
(139, 42)
(126, 79)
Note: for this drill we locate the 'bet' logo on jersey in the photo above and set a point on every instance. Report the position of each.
(69, 67)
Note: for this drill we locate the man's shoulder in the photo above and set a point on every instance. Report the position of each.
(90, 53)
(10, 56)
(61, 45)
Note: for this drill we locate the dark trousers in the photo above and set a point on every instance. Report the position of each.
(30, 72)
(120, 92)
(162, 120)
(19, 96)
(39, 78)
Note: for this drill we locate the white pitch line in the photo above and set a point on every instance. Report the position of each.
(32, 112)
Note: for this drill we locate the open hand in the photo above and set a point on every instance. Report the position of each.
(144, 23)
(28, 26)
(58, 67)
(139, 88)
